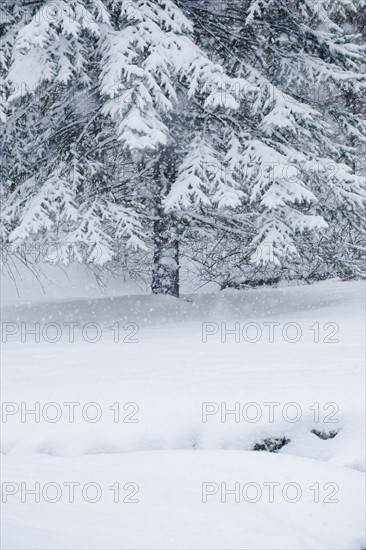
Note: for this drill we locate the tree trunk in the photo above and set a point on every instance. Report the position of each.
(165, 276)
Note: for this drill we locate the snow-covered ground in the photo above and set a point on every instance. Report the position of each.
(166, 412)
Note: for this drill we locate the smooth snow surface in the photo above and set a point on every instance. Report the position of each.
(169, 381)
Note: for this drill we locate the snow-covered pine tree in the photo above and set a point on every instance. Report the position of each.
(171, 90)
(127, 77)
(92, 77)
(297, 136)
